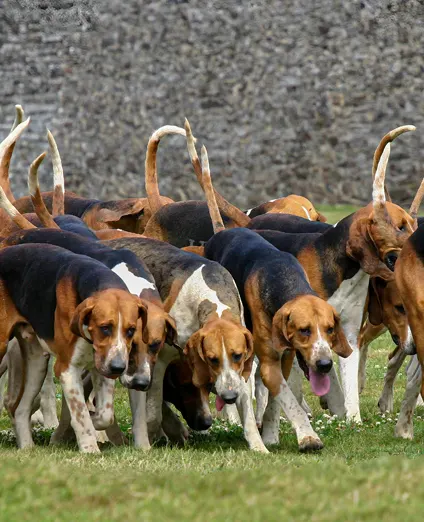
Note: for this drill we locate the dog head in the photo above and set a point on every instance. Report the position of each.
(109, 320)
(385, 306)
(221, 353)
(147, 343)
(312, 327)
(192, 402)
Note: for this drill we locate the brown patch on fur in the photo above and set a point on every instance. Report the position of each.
(199, 250)
(294, 205)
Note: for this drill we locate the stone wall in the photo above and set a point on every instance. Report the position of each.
(288, 96)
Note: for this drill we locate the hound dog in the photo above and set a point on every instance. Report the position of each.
(203, 299)
(78, 310)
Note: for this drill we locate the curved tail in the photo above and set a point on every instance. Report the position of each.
(207, 186)
(14, 214)
(6, 150)
(58, 179)
(34, 191)
(388, 138)
(151, 178)
(234, 213)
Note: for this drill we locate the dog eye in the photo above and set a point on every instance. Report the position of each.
(130, 332)
(305, 331)
(106, 329)
(402, 228)
(330, 330)
(214, 360)
(154, 347)
(400, 309)
(237, 357)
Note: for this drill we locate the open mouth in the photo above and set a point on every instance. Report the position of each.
(320, 382)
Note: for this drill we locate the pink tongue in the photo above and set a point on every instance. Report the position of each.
(219, 403)
(320, 383)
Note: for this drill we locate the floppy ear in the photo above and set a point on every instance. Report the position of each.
(112, 212)
(321, 217)
(375, 309)
(250, 355)
(280, 340)
(194, 351)
(341, 346)
(361, 248)
(142, 313)
(81, 317)
(171, 330)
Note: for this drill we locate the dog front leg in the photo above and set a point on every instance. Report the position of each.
(73, 392)
(385, 402)
(245, 409)
(103, 390)
(138, 400)
(405, 426)
(307, 439)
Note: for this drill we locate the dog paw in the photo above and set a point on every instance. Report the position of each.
(310, 443)
(404, 431)
(385, 404)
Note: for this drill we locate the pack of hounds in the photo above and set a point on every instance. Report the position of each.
(183, 299)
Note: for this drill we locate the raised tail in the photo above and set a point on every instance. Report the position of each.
(34, 191)
(234, 213)
(58, 179)
(14, 214)
(388, 138)
(207, 186)
(151, 177)
(6, 150)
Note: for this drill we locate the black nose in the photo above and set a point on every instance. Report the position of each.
(229, 397)
(202, 422)
(117, 365)
(324, 365)
(390, 260)
(140, 382)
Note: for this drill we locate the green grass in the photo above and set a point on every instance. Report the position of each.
(363, 473)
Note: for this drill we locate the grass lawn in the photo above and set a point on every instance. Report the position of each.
(363, 473)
